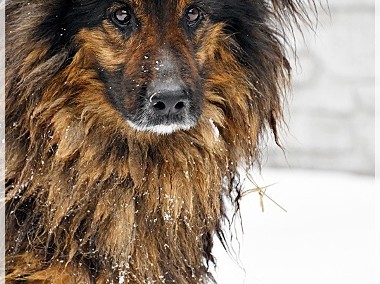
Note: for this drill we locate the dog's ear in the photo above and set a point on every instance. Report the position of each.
(290, 13)
(299, 8)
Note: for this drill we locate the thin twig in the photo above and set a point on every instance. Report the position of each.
(262, 192)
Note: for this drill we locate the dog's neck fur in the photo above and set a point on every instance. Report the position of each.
(128, 200)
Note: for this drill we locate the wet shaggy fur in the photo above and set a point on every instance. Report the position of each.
(90, 197)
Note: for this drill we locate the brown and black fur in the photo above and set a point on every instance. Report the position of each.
(90, 199)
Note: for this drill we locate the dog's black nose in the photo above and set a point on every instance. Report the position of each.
(169, 101)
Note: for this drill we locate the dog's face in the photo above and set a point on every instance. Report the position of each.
(146, 55)
(152, 56)
(151, 73)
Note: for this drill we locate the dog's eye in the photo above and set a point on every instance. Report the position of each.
(122, 16)
(193, 16)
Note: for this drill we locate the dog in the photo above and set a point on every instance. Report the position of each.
(126, 123)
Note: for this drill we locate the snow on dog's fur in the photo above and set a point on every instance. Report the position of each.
(125, 124)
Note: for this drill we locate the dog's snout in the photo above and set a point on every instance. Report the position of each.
(167, 102)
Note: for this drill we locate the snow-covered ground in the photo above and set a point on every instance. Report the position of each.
(326, 236)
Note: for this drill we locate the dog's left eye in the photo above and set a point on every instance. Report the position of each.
(122, 16)
(193, 16)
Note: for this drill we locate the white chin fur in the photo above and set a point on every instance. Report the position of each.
(161, 129)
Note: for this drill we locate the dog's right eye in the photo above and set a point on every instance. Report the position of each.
(193, 16)
(122, 16)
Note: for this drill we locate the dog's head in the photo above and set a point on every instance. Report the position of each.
(161, 64)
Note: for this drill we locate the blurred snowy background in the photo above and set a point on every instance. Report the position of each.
(331, 113)
(325, 180)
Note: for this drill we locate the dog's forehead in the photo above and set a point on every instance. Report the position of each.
(152, 6)
(160, 2)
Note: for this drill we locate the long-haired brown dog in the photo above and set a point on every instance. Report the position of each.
(126, 121)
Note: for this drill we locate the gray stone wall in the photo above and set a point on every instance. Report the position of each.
(332, 108)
